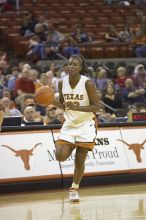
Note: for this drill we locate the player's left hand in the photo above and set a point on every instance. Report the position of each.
(71, 106)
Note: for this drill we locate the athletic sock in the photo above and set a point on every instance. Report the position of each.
(75, 186)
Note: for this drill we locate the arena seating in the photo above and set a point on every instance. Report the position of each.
(95, 16)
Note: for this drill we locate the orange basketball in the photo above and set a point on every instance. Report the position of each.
(44, 96)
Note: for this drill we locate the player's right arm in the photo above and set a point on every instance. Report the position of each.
(59, 103)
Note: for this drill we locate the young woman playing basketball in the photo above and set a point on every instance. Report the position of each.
(78, 97)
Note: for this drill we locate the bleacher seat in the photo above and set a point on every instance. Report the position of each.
(95, 17)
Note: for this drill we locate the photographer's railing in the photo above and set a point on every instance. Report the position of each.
(120, 114)
(107, 106)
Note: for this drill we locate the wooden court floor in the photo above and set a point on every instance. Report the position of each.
(119, 202)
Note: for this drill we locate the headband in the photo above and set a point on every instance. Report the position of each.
(79, 58)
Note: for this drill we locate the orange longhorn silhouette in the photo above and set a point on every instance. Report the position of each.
(23, 154)
(136, 147)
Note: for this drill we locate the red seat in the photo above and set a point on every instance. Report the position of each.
(21, 48)
(123, 51)
(85, 52)
(111, 52)
(96, 52)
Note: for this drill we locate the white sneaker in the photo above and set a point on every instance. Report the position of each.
(73, 195)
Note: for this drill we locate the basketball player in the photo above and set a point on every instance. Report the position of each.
(78, 97)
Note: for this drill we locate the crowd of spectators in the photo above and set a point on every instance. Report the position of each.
(118, 88)
(134, 33)
(45, 42)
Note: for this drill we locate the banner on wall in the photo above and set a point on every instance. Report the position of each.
(134, 142)
(27, 155)
(108, 155)
(31, 155)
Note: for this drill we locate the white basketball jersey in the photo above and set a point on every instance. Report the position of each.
(78, 96)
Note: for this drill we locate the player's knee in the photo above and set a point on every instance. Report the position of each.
(60, 157)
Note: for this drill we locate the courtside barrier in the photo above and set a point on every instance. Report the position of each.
(27, 154)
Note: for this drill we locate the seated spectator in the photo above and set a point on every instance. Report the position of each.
(51, 80)
(54, 76)
(3, 56)
(111, 99)
(101, 79)
(139, 76)
(29, 117)
(29, 100)
(112, 35)
(80, 35)
(99, 93)
(52, 68)
(8, 94)
(103, 115)
(43, 48)
(141, 107)
(64, 70)
(51, 47)
(7, 111)
(46, 80)
(2, 77)
(12, 80)
(91, 74)
(131, 94)
(140, 51)
(42, 20)
(40, 31)
(125, 35)
(70, 47)
(139, 41)
(121, 77)
(36, 47)
(43, 81)
(34, 74)
(28, 25)
(50, 115)
(24, 85)
(131, 109)
(53, 115)
(26, 28)
(53, 43)
(59, 119)
(60, 116)
(57, 36)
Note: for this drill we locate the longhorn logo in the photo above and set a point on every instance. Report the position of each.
(23, 154)
(136, 149)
